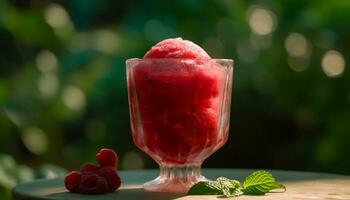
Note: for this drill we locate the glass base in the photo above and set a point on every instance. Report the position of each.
(175, 179)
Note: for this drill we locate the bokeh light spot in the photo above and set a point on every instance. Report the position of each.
(132, 160)
(7, 161)
(333, 63)
(74, 98)
(106, 41)
(296, 45)
(6, 179)
(261, 21)
(14, 117)
(35, 140)
(46, 61)
(48, 85)
(57, 17)
(25, 173)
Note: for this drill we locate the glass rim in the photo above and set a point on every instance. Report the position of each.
(231, 61)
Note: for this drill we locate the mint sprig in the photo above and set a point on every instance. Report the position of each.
(258, 183)
(221, 186)
(230, 188)
(206, 188)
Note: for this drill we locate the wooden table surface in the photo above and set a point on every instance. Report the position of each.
(300, 186)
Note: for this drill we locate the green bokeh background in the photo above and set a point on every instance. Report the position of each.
(63, 89)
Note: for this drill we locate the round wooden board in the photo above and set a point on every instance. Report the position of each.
(300, 185)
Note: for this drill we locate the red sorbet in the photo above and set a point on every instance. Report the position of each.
(177, 102)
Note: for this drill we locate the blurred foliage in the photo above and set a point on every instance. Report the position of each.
(63, 89)
(11, 174)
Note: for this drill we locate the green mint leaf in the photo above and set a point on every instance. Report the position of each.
(205, 188)
(260, 182)
(229, 188)
(221, 186)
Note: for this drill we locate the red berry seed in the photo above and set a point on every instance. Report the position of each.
(110, 174)
(88, 168)
(107, 157)
(72, 181)
(93, 184)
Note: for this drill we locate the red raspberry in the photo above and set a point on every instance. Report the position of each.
(72, 180)
(88, 168)
(110, 174)
(107, 157)
(93, 184)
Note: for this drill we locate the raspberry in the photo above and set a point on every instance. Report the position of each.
(88, 168)
(72, 180)
(110, 174)
(107, 157)
(93, 184)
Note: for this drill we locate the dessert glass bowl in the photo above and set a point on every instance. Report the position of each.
(180, 114)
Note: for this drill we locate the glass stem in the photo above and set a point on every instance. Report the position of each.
(190, 173)
(175, 179)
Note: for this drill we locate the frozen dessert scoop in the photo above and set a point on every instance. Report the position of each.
(176, 48)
